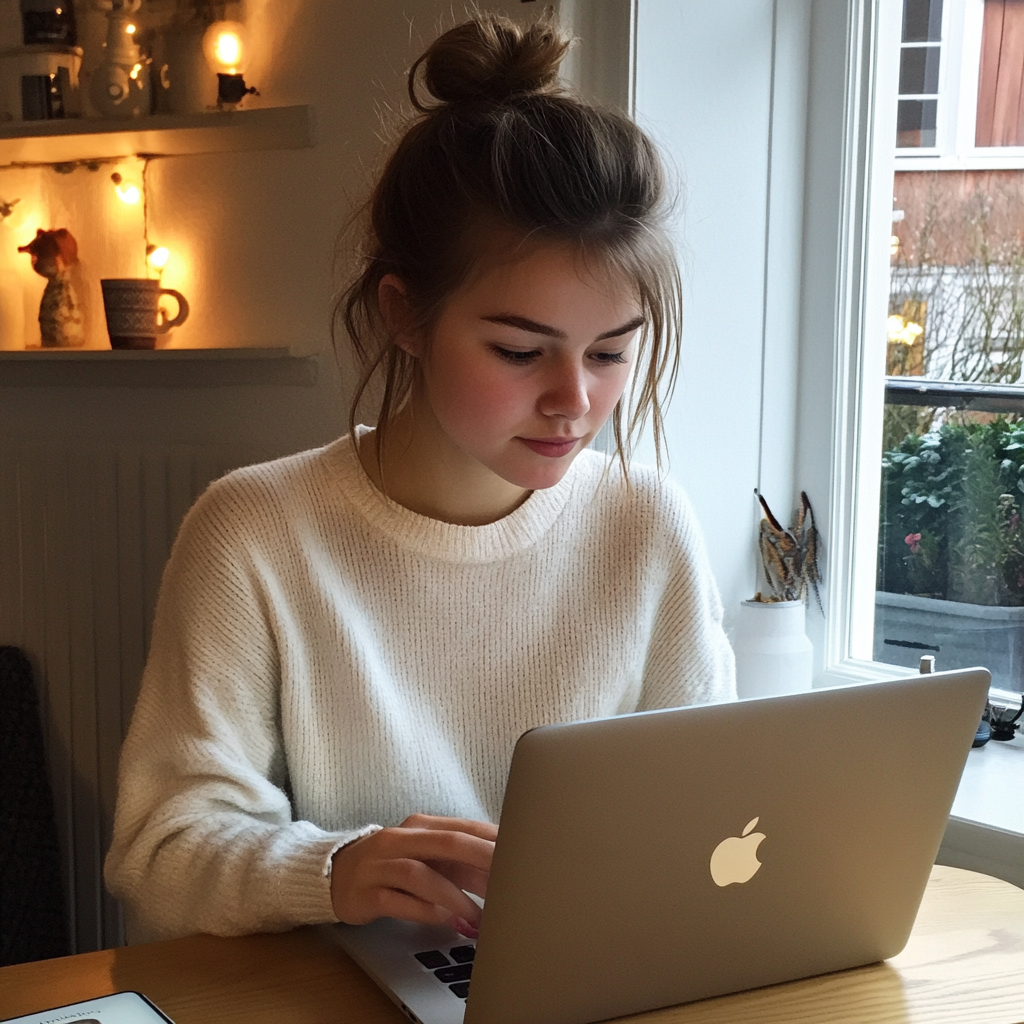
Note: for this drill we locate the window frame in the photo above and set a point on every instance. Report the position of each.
(854, 74)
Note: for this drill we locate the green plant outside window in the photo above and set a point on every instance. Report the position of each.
(951, 523)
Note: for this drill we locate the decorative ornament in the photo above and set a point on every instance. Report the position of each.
(54, 253)
(120, 85)
(790, 557)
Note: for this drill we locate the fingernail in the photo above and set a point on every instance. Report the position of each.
(463, 927)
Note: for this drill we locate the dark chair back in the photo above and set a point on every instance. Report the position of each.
(33, 922)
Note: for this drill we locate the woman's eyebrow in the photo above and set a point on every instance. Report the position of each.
(523, 323)
(630, 325)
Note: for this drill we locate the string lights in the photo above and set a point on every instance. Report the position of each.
(126, 191)
(157, 256)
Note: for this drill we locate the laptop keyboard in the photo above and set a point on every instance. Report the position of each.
(453, 968)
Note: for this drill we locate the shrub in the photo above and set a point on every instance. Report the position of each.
(951, 514)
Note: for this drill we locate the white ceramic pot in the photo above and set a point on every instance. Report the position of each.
(773, 654)
(186, 83)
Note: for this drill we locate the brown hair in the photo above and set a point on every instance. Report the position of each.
(499, 139)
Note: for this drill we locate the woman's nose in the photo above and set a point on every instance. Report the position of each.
(565, 393)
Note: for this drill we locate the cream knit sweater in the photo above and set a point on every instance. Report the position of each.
(325, 662)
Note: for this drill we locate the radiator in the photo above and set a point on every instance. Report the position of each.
(84, 535)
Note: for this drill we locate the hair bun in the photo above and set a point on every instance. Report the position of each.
(490, 58)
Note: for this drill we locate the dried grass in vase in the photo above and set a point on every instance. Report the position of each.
(789, 557)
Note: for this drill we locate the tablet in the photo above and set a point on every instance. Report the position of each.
(120, 1008)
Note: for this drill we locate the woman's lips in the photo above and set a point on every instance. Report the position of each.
(553, 449)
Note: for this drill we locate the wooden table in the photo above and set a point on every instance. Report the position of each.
(964, 964)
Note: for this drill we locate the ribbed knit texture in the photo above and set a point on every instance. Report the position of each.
(325, 662)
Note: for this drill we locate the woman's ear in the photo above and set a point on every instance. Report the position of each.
(397, 313)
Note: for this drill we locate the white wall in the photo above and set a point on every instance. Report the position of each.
(94, 478)
(724, 92)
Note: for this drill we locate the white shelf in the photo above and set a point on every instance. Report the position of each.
(83, 139)
(159, 368)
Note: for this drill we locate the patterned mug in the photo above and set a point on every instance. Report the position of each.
(134, 317)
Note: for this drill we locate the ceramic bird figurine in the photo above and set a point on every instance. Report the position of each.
(61, 321)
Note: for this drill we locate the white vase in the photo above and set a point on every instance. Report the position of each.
(119, 87)
(773, 654)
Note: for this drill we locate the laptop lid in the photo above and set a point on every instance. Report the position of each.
(668, 856)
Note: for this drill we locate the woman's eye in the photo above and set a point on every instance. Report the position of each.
(514, 355)
(610, 357)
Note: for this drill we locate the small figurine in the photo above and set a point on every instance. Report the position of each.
(61, 322)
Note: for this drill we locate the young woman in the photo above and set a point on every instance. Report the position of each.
(348, 642)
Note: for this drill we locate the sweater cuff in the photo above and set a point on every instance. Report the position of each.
(304, 890)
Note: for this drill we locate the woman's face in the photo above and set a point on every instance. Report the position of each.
(526, 362)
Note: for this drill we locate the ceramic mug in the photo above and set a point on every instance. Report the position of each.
(134, 317)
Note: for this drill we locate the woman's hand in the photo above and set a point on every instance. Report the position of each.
(415, 872)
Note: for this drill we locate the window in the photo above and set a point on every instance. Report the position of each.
(845, 296)
(950, 564)
(920, 57)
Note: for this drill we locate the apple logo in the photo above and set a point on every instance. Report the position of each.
(735, 858)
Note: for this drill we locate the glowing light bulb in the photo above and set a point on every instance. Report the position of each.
(224, 47)
(134, 73)
(130, 29)
(228, 50)
(157, 256)
(126, 191)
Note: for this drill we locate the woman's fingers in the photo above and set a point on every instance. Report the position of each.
(481, 829)
(416, 879)
(471, 879)
(430, 844)
(395, 903)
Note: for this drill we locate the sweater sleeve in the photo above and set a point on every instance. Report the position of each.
(689, 658)
(204, 839)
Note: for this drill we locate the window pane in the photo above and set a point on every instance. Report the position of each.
(915, 123)
(919, 70)
(950, 568)
(922, 21)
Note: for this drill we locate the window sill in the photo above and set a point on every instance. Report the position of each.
(986, 825)
(159, 368)
(990, 788)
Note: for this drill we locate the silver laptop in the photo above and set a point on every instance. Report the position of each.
(661, 857)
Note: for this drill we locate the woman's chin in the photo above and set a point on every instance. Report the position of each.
(539, 477)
